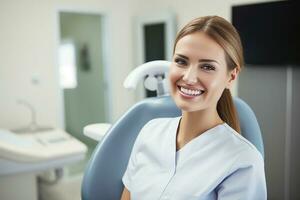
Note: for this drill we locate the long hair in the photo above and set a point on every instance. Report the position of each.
(224, 33)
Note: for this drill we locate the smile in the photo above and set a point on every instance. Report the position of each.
(190, 92)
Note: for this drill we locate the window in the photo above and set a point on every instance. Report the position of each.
(67, 65)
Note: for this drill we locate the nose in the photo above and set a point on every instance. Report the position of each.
(190, 75)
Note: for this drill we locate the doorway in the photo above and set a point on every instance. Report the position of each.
(82, 75)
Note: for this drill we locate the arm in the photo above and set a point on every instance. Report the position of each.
(247, 181)
(125, 194)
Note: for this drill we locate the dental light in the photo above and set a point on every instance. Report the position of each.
(154, 71)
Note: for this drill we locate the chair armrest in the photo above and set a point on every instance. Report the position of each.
(96, 131)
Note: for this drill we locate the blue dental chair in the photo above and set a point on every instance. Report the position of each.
(103, 174)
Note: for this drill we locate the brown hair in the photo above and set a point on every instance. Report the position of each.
(224, 33)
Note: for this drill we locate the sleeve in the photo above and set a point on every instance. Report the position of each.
(126, 179)
(246, 181)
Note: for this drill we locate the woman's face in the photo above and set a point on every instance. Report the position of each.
(198, 74)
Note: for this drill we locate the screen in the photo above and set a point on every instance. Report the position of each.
(270, 32)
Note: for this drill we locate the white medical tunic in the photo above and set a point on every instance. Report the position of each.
(218, 164)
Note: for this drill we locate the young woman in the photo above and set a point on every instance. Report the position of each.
(201, 154)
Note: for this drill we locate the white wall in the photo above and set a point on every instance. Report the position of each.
(28, 39)
(28, 49)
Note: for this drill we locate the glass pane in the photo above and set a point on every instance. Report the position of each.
(67, 65)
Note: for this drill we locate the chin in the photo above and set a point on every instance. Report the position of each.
(186, 107)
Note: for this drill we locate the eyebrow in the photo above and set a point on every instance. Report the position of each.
(201, 60)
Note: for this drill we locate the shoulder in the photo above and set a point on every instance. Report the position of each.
(247, 154)
(161, 120)
(159, 123)
(157, 126)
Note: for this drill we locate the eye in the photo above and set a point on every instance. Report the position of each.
(208, 67)
(180, 61)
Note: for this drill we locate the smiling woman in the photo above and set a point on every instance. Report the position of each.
(199, 67)
(204, 143)
(218, 46)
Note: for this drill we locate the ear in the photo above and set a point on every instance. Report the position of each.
(233, 74)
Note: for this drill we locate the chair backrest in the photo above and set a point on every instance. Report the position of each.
(103, 174)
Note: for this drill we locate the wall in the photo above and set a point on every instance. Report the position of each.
(278, 118)
(28, 50)
(295, 137)
(257, 86)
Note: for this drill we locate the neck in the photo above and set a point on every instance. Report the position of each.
(193, 124)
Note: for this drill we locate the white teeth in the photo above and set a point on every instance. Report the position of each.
(191, 92)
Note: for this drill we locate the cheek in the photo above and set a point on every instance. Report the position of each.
(174, 75)
(217, 85)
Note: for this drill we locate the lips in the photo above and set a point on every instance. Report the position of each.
(190, 92)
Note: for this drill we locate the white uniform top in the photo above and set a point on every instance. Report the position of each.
(218, 164)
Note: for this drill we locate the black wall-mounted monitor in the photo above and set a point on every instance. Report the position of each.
(270, 32)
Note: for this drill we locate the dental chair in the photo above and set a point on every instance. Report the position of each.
(103, 174)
